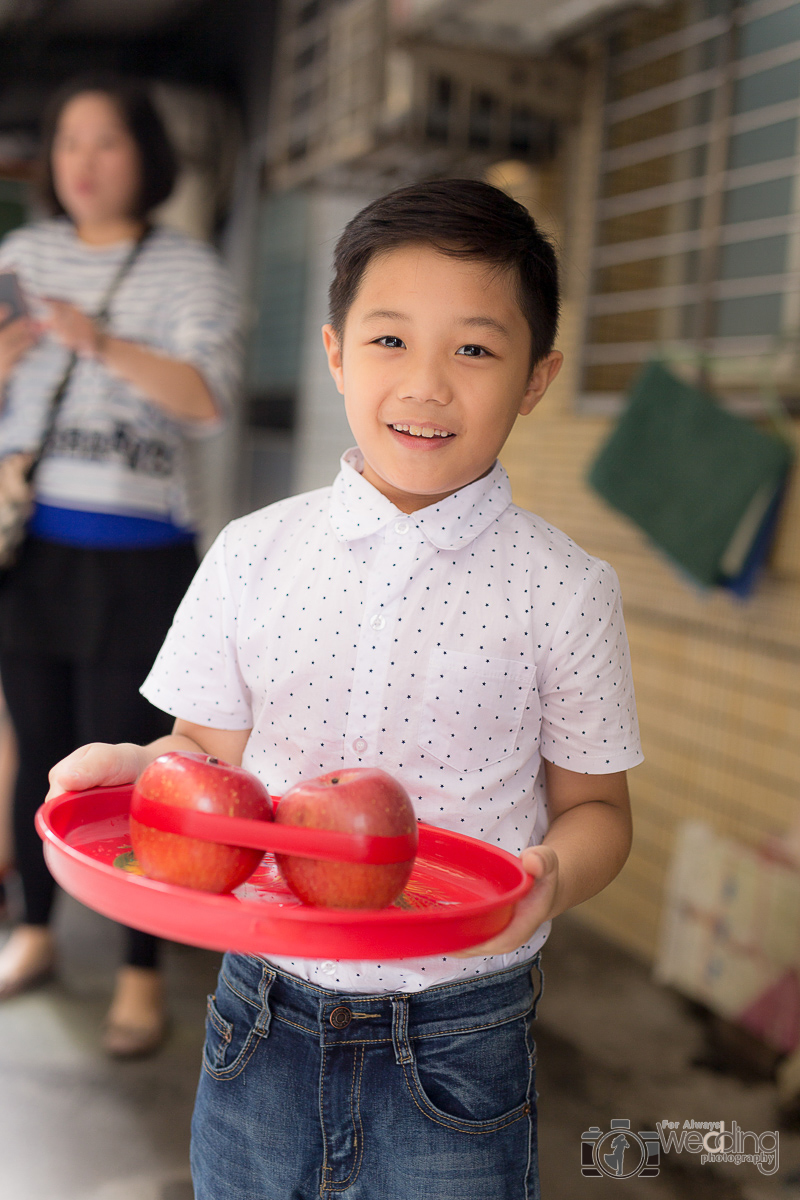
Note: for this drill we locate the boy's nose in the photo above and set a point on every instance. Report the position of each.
(425, 383)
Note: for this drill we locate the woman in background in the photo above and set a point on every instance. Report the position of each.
(110, 549)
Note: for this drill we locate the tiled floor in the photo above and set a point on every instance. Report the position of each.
(74, 1126)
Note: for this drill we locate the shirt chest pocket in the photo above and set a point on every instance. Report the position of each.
(472, 708)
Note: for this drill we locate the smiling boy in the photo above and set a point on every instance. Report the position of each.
(412, 618)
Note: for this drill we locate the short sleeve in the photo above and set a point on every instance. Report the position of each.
(196, 675)
(589, 721)
(203, 328)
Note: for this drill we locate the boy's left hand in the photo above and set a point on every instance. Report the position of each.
(542, 863)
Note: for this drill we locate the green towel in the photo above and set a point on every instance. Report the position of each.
(697, 479)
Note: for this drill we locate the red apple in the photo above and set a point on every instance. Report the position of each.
(358, 800)
(209, 785)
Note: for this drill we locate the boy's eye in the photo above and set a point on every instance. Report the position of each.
(470, 351)
(391, 343)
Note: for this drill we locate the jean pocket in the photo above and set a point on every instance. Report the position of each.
(473, 708)
(234, 1027)
(478, 1081)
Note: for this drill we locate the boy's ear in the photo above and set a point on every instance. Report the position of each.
(542, 376)
(333, 350)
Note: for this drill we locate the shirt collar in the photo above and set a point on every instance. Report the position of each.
(357, 509)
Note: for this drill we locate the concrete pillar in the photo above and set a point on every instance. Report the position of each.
(322, 431)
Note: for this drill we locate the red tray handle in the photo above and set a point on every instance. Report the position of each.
(267, 835)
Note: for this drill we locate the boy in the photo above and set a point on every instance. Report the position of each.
(409, 617)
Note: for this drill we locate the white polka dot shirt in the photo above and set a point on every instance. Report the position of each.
(453, 647)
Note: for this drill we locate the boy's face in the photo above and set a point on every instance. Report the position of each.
(434, 369)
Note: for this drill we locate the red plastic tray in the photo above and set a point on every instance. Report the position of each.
(461, 892)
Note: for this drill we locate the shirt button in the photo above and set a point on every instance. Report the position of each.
(376, 621)
(328, 967)
(401, 527)
(359, 745)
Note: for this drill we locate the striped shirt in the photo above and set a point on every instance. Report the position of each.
(113, 450)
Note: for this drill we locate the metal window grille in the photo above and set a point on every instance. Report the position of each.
(697, 241)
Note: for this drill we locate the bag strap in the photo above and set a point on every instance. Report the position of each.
(101, 317)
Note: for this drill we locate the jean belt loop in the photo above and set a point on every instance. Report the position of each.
(265, 1016)
(402, 1046)
(537, 967)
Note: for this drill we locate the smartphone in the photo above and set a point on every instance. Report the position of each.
(11, 296)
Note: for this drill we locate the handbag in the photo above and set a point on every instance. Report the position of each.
(17, 470)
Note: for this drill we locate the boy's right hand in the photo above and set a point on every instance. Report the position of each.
(99, 764)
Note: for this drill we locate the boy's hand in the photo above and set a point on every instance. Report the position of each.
(542, 863)
(97, 765)
(587, 842)
(102, 765)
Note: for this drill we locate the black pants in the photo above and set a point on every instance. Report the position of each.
(56, 706)
(78, 633)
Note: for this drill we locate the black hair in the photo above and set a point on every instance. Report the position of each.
(463, 218)
(159, 165)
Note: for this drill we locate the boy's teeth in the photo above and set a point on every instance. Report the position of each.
(420, 431)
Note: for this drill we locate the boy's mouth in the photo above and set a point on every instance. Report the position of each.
(425, 431)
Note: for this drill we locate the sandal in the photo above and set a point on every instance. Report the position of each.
(15, 984)
(133, 1041)
(25, 983)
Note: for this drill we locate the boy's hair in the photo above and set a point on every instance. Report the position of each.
(466, 219)
(158, 163)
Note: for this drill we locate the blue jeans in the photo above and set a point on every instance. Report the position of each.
(308, 1093)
